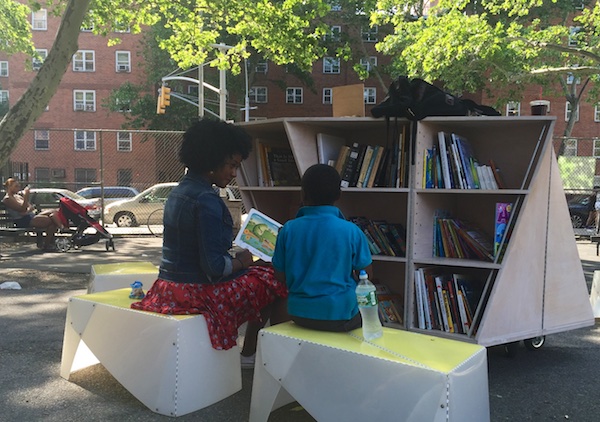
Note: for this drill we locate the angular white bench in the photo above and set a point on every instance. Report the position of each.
(402, 376)
(166, 362)
(105, 277)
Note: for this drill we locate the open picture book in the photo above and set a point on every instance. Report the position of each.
(258, 234)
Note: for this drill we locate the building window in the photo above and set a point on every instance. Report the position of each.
(570, 147)
(122, 28)
(39, 20)
(335, 5)
(370, 95)
(124, 106)
(331, 65)
(335, 33)
(123, 61)
(327, 96)
(124, 177)
(368, 63)
(84, 100)
(597, 147)
(42, 139)
(89, 28)
(370, 34)
(3, 96)
(258, 94)
(85, 176)
(568, 109)
(572, 79)
(42, 174)
(293, 95)
(597, 112)
(192, 90)
(513, 108)
(124, 141)
(85, 140)
(38, 60)
(573, 35)
(261, 67)
(4, 68)
(83, 61)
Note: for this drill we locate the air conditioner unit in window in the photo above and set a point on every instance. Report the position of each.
(123, 68)
(78, 68)
(58, 173)
(79, 107)
(89, 107)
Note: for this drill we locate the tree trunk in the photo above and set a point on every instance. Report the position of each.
(32, 104)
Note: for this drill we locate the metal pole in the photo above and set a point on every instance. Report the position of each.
(200, 91)
(222, 95)
(246, 98)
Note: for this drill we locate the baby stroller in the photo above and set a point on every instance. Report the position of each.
(74, 215)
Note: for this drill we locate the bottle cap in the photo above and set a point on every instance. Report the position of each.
(362, 274)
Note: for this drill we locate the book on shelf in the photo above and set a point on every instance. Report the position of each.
(376, 163)
(391, 308)
(282, 167)
(442, 303)
(329, 147)
(264, 177)
(384, 238)
(258, 234)
(341, 159)
(467, 157)
(444, 159)
(350, 165)
(364, 166)
(502, 217)
(498, 178)
(419, 300)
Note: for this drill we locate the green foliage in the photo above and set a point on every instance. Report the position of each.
(15, 29)
(503, 44)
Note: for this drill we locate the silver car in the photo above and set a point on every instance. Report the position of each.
(137, 210)
(48, 198)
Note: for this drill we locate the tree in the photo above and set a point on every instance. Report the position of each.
(283, 31)
(503, 45)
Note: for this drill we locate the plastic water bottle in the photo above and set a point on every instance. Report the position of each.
(367, 304)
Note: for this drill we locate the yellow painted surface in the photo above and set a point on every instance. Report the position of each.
(436, 353)
(120, 299)
(125, 268)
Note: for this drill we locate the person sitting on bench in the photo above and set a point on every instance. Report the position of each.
(21, 212)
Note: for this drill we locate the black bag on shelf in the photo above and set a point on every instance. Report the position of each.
(416, 99)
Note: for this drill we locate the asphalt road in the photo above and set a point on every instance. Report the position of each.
(561, 381)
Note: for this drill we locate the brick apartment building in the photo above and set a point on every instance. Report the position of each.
(71, 156)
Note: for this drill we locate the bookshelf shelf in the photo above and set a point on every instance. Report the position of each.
(535, 286)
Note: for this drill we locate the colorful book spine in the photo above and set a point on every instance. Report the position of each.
(503, 211)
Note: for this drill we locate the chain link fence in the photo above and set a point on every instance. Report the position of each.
(75, 159)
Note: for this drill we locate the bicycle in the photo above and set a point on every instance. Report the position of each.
(155, 222)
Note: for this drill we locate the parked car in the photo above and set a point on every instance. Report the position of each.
(111, 193)
(48, 198)
(580, 206)
(135, 211)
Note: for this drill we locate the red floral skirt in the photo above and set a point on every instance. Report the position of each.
(226, 306)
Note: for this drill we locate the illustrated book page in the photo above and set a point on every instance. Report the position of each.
(258, 234)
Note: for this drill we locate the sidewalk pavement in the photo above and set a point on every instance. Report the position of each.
(557, 382)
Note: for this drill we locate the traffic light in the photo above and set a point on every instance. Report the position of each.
(164, 99)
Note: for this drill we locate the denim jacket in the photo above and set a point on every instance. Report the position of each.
(198, 232)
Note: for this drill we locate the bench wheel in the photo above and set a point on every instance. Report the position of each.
(110, 244)
(534, 343)
(63, 244)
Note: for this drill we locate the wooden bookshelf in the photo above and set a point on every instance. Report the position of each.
(536, 287)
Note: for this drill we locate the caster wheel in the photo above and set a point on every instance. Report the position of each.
(534, 343)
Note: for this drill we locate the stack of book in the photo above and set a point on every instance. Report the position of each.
(276, 166)
(390, 305)
(384, 238)
(451, 164)
(454, 238)
(446, 301)
(366, 165)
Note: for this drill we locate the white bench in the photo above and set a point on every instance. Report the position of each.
(166, 362)
(105, 277)
(402, 376)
